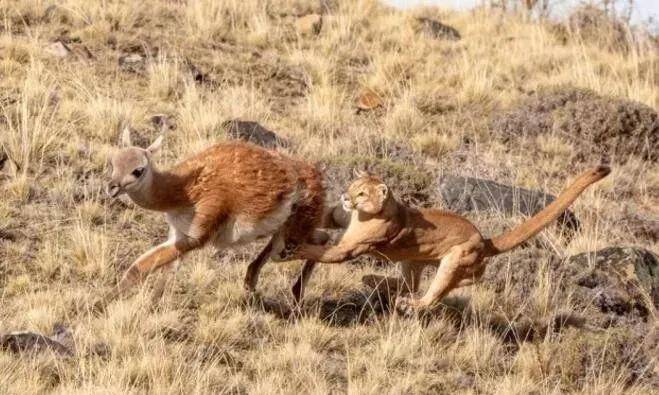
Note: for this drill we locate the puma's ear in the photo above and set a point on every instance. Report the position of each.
(384, 190)
(359, 173)
(124, 138)
(155, 146)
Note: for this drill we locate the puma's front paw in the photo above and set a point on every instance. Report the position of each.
(407, 307)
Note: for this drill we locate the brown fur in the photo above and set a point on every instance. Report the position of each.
(382, 227)
(228, 194)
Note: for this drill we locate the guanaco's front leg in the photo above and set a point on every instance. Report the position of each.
(158, 257)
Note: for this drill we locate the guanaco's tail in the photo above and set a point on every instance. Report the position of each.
(535, 224)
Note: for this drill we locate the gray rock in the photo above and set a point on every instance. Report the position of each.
(198, 75)
(464, 194)
(7, 235)
(622, 282)
(31, 342)
(163, 122)
(438, 30)
(132, 62)
(254, 133)
(59, 49)
(3, 159)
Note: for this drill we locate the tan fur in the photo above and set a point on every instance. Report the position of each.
(382, 227)
(227, 195)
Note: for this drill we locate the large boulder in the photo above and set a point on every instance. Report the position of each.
(465, 194)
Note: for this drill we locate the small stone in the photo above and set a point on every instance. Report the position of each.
(254, 133)
(197, 74)
(3, 158)
(162, 122)
(309, 24)
(7, 235)
(133, 62)
(368, 100)
(59, 49)
(438, 30)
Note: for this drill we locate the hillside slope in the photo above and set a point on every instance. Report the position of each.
(482, 94)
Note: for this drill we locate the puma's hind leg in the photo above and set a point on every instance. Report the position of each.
(408, 283)
(463, 262)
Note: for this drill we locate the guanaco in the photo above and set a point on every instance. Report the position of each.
(228, 194)
(381, 226)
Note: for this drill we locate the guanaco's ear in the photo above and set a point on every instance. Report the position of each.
(155, 146)
(384, 190)
(359, 173)
(124, 138)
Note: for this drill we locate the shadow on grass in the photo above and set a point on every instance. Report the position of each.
(361, 306)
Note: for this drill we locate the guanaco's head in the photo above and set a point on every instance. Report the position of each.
(131, 166)
(366, 194)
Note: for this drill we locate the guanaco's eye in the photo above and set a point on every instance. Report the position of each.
(137, 173)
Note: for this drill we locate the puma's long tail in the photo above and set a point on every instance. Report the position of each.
(535, 224)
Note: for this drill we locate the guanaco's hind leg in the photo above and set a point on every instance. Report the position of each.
(272, 250)
(461, 263)
(254, 267)
(302, 280)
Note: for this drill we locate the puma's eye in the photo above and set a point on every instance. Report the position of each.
(360, 194)
(137, 173)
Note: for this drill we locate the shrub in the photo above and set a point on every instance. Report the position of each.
(593, 124)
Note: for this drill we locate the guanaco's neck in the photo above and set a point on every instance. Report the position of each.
(162, 191)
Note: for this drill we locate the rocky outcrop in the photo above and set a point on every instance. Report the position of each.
(620, 282)
(465, 194)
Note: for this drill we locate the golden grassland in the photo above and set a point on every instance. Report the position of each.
(61, 116)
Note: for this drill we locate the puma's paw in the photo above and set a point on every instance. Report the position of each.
(407, 307)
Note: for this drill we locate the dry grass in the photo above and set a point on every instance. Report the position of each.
(59, 118)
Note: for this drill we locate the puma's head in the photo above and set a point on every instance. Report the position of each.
(366, 194)
(131, 166)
